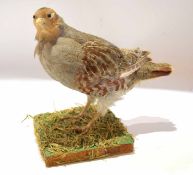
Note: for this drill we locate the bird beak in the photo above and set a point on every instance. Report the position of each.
(39, 21)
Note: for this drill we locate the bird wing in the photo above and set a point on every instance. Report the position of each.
(103, 59)
(103, 63)
(96, 58)
(94, 62)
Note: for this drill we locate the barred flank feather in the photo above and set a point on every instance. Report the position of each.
(106, 69)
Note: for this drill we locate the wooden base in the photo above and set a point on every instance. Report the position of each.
(88, 155)
(55, 154)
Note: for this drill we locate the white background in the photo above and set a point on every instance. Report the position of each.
(160, 120)
(162, 27)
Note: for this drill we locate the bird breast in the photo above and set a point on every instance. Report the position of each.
(59, 72)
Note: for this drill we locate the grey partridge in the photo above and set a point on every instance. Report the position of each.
(90, 64)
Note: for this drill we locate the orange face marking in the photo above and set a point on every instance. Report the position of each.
(46, 22)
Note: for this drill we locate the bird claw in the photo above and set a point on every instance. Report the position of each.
(82, 130)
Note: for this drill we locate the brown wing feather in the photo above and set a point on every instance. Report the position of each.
(102, 60)
(105, 68)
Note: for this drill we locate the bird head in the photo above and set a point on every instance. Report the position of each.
(152, 70)
(48, 23)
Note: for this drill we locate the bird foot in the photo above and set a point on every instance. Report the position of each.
(86, 128)
(82, 130)
(78, 116)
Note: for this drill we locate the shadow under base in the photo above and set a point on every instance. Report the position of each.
(60, 145)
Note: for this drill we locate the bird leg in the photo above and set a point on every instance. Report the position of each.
(85, 129)
(81, 114)
(89, 101)
(101, 109)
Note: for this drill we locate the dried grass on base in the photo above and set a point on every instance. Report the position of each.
(55, 136)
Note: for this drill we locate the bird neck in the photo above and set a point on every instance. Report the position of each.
(50, 35)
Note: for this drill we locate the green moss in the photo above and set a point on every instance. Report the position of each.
(55, 136)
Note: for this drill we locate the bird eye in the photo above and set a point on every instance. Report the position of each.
(34, 16)
(49, 15)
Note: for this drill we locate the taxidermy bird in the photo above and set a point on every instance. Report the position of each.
(90, 64)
